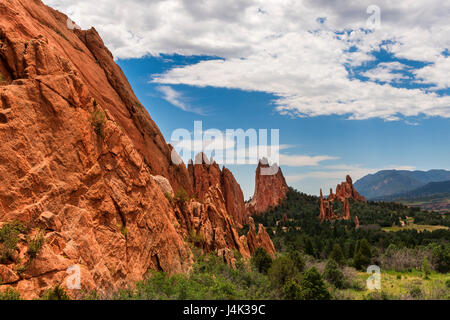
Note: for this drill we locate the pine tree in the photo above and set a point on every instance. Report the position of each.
(426, 268)
(313, 287)
(337, 254)
(333, 275)
(309, 247)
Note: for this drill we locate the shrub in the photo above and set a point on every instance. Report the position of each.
(195, 238)
(426, 268)
(297, 259)
(57, 293)
(282, 270)
(313, 287)
(309, 247)
(360, 262)
(441, 258)
(9, 294)
(181, 196)
(292, 290)
(333, 275)
(379, 295)
(98, 120)
(124, 231)
(35, 244)
(362, 256)
(261, 260)
(9, 237)
(337, 254)
(415, 292)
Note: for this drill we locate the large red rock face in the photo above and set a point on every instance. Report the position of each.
(205, 173)
(82, 161)
(270, 189)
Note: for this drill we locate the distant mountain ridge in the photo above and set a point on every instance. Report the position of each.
(432, 189)
(387, 183)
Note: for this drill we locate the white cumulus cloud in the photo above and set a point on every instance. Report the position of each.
(299, 51)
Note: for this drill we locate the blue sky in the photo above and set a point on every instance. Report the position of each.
(353, 87)
(359, 145)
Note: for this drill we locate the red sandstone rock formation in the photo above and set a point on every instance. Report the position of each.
(205, 173)
(260, 239)
(344, 192)
(81, 160)
(270, 188)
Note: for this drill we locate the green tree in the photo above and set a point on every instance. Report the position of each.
(426, 268)
(292, 290)
(312, 287)
(364, 247)
(282, 270)
(261, 260)
(297, 259)
(337, 254)
(441, 258)
(309, 247)
(363, 255)
(333, 275)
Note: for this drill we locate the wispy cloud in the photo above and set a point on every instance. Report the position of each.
(303, 160)
(176, 99)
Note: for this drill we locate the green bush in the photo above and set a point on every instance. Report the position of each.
(9, 294)
(297, 259)
(337, 254)
(35, 244)
(426, 268)
(98, 121)
(292, 290)
(282, 270)
(313, 287)
(333, 275)
(416, 292)
(181, 196)
(441, 258)
(57, 293)
(261, 260)
(362, 255)
(9, 237)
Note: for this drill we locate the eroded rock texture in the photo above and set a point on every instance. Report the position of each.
(84, 168)
(344, 192)
(270, 188)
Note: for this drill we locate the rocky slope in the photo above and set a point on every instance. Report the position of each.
(270, 188)
(87, 177)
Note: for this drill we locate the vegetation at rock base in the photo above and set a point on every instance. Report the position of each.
(9, 294)
(56, 293)
(35, 244)
(317, 260)
(98, 121)
(261, 260)
(9, 237)
(181, 197)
